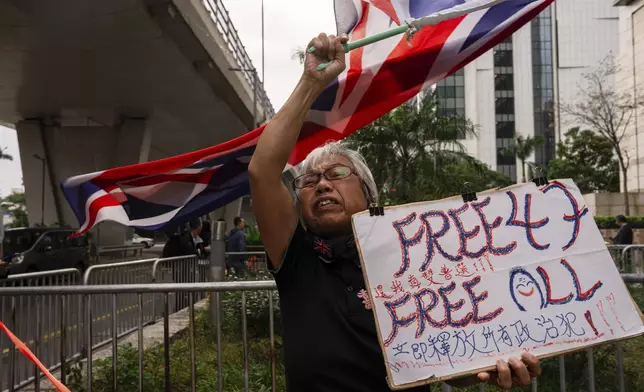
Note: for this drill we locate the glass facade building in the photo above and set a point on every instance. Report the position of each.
(543, 87)
(504, 107)
(450, 92)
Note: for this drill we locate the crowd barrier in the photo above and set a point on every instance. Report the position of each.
(57, 314)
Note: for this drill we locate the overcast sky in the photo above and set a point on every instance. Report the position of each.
(288, 25)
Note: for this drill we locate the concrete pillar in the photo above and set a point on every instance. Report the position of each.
(228, 213)
(132, 145)
(31, 140)
(73, 150)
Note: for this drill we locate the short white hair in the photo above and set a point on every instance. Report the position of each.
(321, 154)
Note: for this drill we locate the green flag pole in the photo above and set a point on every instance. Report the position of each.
(349, 46)
(414, 25)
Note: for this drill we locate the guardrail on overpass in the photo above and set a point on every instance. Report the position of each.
(220, 16)
(57, 313)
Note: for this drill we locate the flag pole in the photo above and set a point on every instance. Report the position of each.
(349, 46)
(417, 24)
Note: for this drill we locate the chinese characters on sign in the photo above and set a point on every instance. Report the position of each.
(456, 286)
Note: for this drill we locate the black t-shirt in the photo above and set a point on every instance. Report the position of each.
(330, 339)
(624, 235)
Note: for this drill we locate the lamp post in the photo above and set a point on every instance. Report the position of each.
(42, 201)
(254, 71)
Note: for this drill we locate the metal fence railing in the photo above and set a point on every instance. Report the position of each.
(182, 269)
(103, 307)
(55, 326)
(628, 258)
(225, 26)
(49, 325)
(68, 293)
(254, 261)
(19, 314)
(119, 253)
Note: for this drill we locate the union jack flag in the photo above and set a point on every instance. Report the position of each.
(321, 247)
(378, 78)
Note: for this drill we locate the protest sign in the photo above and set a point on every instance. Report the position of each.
(456, 286)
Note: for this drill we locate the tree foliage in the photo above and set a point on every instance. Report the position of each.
(606, 111)
(416, 154)
(522, 149)
(16, 206)
(587, 158)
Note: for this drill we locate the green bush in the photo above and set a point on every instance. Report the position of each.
(253, 236)
(608, 222)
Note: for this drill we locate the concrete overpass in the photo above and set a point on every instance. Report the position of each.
(94, 84)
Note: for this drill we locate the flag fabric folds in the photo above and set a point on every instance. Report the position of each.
(379, 77)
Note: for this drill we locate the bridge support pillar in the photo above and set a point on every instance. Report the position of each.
(72, 150)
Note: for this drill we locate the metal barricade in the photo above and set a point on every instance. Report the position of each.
(139, 290)
(589, 376)
(616, 253)
(254, 261)
(104, 307)
(49, 325)
(180, 269)
(633, 259)
(119, 253)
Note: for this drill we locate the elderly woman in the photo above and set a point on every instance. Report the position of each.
(330, 339)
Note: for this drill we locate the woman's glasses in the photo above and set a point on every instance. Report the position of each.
(332, 174)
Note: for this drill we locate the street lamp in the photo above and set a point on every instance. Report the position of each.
(254, 71)
(42, 202)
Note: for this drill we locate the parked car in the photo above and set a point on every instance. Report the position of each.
(43, 249)
(147, 242)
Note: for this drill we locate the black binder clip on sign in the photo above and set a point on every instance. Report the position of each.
(539, 176)
(468, 195)
(376, 210)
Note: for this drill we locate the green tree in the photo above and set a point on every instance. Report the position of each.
(415, 154)
(522, 149)
(4, 155)
(16, 206)
(606, 111)
(587, 158)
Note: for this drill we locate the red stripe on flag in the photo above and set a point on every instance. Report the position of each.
(193, 178)
(401, 77)
(403, 73)
(165, 165)
(27, 353)
(355, 56)
(94, 207)
(388, 8)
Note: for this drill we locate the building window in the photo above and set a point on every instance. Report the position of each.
(504, 82)
(504, 108)
(451, 95)
(543, 89)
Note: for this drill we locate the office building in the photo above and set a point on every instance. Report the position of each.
(630, 59)
(513, 89)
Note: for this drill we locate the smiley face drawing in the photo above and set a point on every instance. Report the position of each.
(525, 290)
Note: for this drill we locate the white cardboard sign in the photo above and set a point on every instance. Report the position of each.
(456, 286)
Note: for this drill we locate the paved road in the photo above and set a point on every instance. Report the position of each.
(53, 316)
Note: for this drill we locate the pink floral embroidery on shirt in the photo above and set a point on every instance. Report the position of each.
(364, 296)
